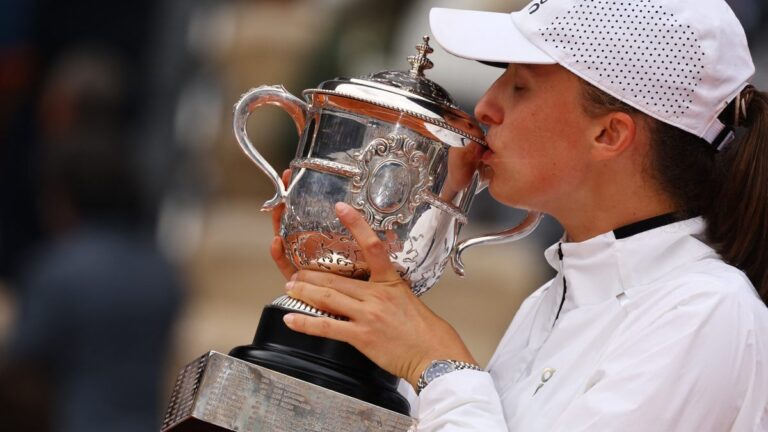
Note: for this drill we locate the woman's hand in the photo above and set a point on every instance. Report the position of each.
(463, 162)
(387, 323)
(276, 249)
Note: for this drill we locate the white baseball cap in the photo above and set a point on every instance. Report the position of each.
(679, 61)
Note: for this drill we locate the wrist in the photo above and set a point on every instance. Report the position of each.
(415, 375)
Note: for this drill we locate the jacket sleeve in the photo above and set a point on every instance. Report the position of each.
(461, 401)
(467, 400)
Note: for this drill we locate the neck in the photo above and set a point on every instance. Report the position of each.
(610, 204)
(579, 231)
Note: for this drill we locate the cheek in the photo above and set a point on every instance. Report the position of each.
(525, 181)
(541, 165)
(543, 152)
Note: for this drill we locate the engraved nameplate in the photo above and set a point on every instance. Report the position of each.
(217, 393)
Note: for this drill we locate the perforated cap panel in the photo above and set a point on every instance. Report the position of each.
(658, 70)
(679, 61)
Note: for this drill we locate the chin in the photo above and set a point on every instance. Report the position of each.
(501, 191)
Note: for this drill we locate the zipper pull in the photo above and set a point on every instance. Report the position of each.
(565, 284)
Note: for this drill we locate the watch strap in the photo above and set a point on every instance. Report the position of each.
(457, 366)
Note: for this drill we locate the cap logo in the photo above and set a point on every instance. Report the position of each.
(534, 7)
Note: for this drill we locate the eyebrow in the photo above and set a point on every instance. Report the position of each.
(523, 67)
(522, 70)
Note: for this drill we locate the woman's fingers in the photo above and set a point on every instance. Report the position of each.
(277, 213)
(278, 255)
(276, 249)
(320, 326)
(373, 249)
(349, 287)
(323, 298)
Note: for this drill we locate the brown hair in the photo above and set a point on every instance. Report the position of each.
(729, 189)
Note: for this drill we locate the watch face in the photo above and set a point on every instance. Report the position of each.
(438, 368)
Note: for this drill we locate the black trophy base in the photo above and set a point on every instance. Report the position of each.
(328, 363)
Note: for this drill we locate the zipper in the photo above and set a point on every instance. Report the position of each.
(565, 284)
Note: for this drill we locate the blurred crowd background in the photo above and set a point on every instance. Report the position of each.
(131, 240)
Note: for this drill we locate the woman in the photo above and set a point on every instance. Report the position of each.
(616, 118)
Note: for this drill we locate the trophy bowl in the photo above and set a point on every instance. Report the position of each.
(395, 146)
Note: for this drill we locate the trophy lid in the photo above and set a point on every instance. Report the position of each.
(414, 81)
(409, 92)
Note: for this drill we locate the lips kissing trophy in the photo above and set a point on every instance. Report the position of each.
(396, 147)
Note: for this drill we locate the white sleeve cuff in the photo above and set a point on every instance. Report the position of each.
(464, 400)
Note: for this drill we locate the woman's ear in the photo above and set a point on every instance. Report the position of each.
(615, 133)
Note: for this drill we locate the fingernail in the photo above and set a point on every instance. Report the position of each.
(288, 319)
(341, 208)
(289, 286)
(294, 276)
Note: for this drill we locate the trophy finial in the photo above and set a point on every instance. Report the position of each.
(420, 63)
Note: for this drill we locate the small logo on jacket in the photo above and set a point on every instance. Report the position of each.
(546, 375)
(534, 6)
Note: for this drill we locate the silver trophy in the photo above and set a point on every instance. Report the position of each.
(395, 146)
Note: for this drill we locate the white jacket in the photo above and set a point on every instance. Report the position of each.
(655, 333)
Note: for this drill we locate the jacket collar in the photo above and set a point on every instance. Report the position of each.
(605, 266)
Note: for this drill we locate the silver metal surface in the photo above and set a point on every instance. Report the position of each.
(393, 145)
(287, 302)
(239, 396)
(525, 227)
(254, 98)
(394, 174)
(360, 174)
(428, 119)
(327, 166)
(420, 62)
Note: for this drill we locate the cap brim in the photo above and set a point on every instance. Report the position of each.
(485, 36)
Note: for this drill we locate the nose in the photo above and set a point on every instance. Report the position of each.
(487, 111)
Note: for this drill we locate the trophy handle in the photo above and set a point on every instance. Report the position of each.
(522, 229)
(254, 98)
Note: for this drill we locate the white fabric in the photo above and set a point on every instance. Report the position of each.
(494, 26)
(679, 61)
(656, 334)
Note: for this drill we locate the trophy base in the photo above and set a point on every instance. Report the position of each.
(324, 362)
(221, 393)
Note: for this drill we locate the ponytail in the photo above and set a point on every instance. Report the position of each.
(737, 219)
(729, 189)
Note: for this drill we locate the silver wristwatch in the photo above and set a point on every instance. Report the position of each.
(439, 368)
